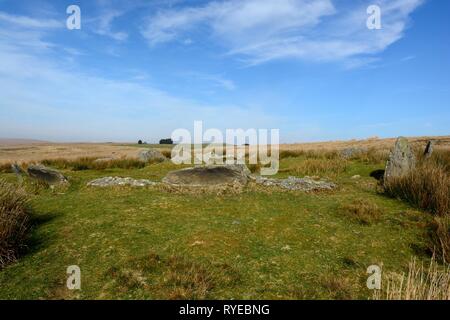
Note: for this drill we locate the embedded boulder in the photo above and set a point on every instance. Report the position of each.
(401, 160)
(151, 155)
(45, 174)
(118, 181)
(306, 184)
(210, 175)
(348, 153)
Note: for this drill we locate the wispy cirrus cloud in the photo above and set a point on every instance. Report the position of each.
(28, 22)
(275, 29)
(104, 25)
(44, 97)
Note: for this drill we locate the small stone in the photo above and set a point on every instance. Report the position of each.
(348, 153)
(118, 181)
(356, 177)
(104, 159)
(428, 149)
(151, 155)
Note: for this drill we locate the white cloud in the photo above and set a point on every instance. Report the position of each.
(44, 97)
(28, 22)
(262, 31)
(104, 25)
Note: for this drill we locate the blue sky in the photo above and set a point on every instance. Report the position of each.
(141, 69)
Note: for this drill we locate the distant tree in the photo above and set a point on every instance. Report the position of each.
(140, 142)
(166, 141)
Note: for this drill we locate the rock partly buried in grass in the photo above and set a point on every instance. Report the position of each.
(294, 183)
(151, 155)
(401, 160)
(210, 175)
(45, 174)
(348, 153)
(106, 159)
(118, 181)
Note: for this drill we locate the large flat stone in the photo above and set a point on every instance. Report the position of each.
(211, 175)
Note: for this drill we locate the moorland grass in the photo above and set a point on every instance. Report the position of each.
(14, 222)
(255, 244)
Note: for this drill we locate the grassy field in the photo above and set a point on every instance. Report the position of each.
(259, 243)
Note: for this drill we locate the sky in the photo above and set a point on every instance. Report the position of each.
(141, 69)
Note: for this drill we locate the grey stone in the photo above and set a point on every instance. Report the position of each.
(210, 175)
(151, 155)
(118, 181)
(428, 149)
(401, 160)
(106, 159)
(294, 183)
(45, 174)
(348, 153)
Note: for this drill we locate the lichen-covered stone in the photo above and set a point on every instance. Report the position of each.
(211, 175)
(293, 183)
(45, 174)
(151, 155)
(401, 160)
(118, 181)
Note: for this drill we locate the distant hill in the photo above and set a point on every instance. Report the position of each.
(8, 141)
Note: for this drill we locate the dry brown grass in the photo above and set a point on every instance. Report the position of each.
(427, 187)
(310, 154)
(421, 283)
(440, 237)
(318, 167)
(92, 164)
(14, 222)
(337, 287)
(5, 168)
(363, 211)
(372, 156)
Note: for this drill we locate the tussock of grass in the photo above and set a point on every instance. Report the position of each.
(167, 153)
(363, 211)
(310, 154)
(92, 164)
(318, 167)
(427, 187)
(5, 168)
(339, 288)
(440, 237)
(372, 156)
(432, 283)
(172, 277)
(14, 222)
